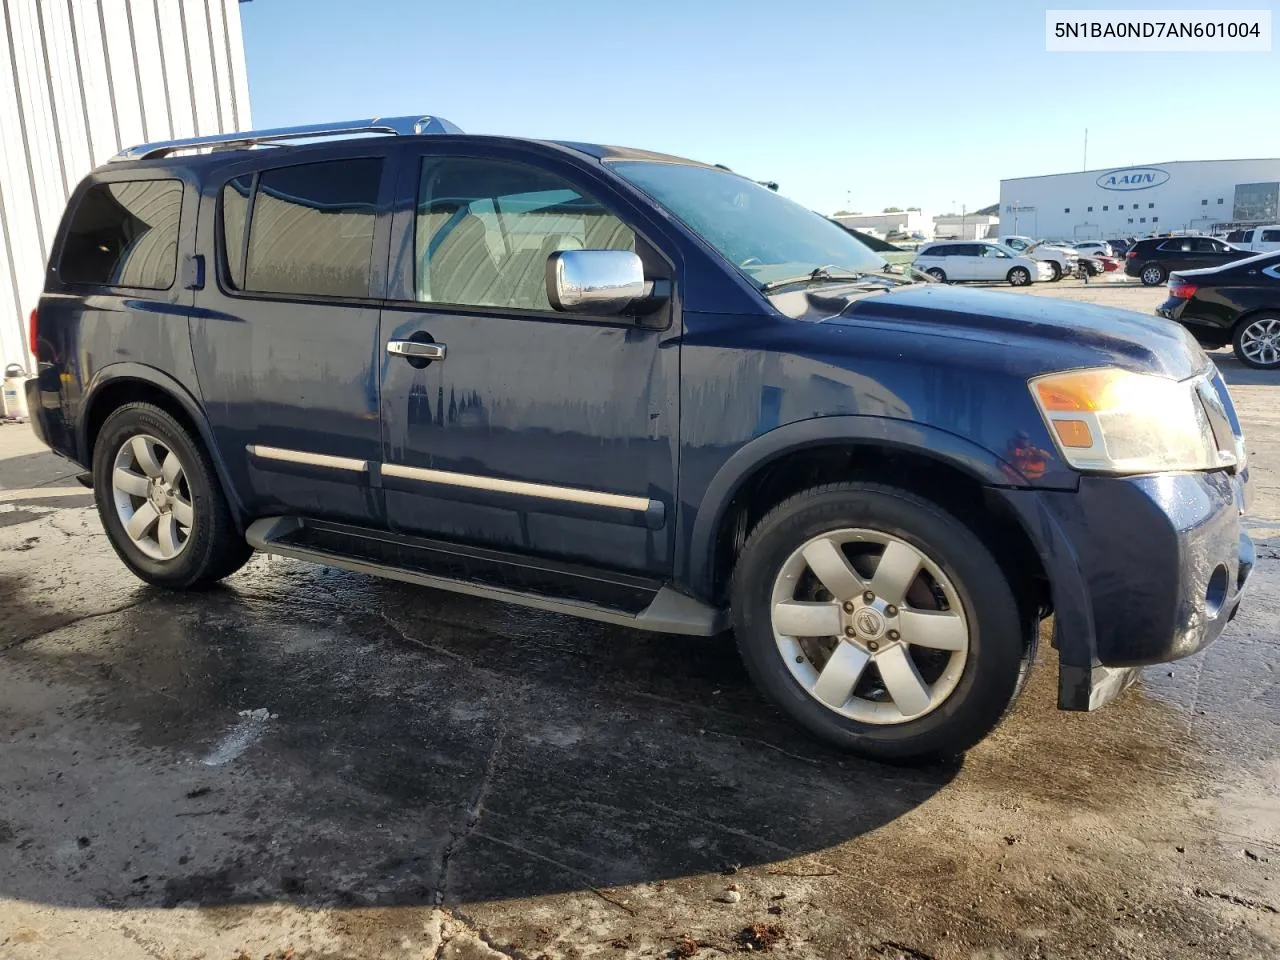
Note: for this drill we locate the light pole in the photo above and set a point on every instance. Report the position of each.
(1015, 217)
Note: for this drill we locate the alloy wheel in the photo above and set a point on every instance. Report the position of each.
(1152, 276)
(152, 497)
(1260, 341)
(870, 626)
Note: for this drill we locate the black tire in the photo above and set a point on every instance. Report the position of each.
(1237, 338)
(1019, 277)
(937, 273)
(1152, 274)
(1057, 271)
(999, 649)
(214, 549)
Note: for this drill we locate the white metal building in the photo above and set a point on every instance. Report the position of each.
(79, 80)
(962, 226)
(1205, 196)
(905, 221)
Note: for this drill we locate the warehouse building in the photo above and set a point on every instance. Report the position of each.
(80, 79)
(1204, 196)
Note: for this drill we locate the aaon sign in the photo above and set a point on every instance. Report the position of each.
(1133, 178)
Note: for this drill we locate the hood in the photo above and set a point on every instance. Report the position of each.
(1047, 333)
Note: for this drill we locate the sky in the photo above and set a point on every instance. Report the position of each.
(847, 104)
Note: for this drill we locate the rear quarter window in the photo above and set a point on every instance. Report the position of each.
(124, 234)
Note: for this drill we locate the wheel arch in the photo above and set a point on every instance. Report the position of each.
(123, 383)
(928, 460)
(1253, 314)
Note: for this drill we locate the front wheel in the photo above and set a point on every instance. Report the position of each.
(160, 501)
(1019, 277)
(1057, 270)
(1256, 341)
(1152, 275)
(878, 621)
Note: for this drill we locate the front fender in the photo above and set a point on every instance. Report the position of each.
(126, 371)
(984, 466)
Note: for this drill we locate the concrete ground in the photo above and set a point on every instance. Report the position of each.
(307, 763)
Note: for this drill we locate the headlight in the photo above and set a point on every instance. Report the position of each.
(1113, 421)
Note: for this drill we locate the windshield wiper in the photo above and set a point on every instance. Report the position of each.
(815, 275)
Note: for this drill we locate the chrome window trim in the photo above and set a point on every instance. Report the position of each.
(310, 459)
(1272, 271)
(522, 488)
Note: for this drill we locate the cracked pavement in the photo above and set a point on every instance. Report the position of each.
(313, 761)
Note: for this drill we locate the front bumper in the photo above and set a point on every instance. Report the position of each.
(1142, 570)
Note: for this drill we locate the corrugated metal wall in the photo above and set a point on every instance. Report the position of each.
(79, 80)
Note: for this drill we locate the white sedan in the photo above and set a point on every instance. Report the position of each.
(954, 261)
(1094, 248)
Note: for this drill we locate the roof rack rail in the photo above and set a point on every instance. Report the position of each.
(399, 126)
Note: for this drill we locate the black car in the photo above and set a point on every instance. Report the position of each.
(1152, 260)
(1237, 303)
(1119, 246)
(639, 390)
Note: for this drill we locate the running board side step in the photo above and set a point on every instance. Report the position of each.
(606, 597)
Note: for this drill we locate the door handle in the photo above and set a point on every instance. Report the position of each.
(416, 349)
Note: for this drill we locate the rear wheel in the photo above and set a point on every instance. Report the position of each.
(1019, 277)
(1152, 275)
(1256, 341)
(937, 274)
(160, 501)
(878, 621)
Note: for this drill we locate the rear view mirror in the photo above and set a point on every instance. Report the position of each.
(595, 281)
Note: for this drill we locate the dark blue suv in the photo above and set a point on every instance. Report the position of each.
(643, 390)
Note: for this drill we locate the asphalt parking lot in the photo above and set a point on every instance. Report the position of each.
(311, 763)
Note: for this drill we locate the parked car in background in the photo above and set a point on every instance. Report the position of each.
(1093, 248)
(1256, 239)
(640, 390)
(955, 262)
(1120, 246)
(1062, 263)
(1152, 260)
(891, 253)
(1236, 304)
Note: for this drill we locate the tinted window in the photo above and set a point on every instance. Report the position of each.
(1271, 236)
(234, 207)
(939, 251)
(1205, 245)
(125, 234)
(1176, 246)
(995, 252)
(485, 228)
(311, 231)
(966, 250)
(1238, 236)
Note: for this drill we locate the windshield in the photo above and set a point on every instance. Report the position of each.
(767, 237)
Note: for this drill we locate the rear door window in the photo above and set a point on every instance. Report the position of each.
(1271, 236)
(310, 229)
(124, 234)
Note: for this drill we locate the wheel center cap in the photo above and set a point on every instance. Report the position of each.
(159, 498)
(868, 623)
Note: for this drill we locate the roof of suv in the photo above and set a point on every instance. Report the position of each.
(235, 145)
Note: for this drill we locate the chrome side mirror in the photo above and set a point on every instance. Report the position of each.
(595, 281)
